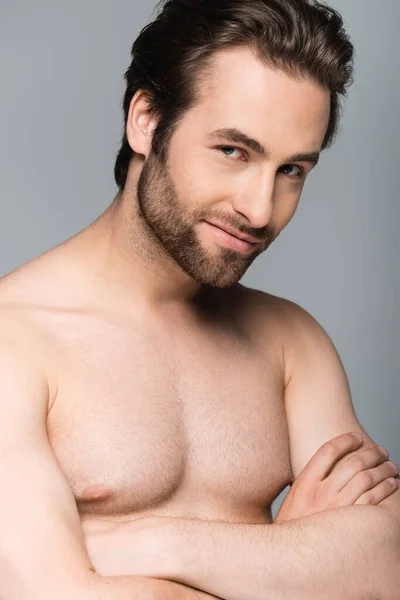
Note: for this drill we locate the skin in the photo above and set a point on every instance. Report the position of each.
(168, 390)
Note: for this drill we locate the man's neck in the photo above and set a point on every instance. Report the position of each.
(122, 254)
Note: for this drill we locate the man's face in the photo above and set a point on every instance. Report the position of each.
(214, 180)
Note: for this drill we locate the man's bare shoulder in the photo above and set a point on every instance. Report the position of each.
(27, 297)
(292, 330)
(25, 358)
(296, 323)
(262, 316)
(279, 318)
(36, 281)
(270, 306)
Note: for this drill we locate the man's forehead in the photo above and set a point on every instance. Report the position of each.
(238, 65)
(242, 92)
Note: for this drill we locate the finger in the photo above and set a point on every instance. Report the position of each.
(365, 481)
(348, 468)
(380, 492)
(329, 454)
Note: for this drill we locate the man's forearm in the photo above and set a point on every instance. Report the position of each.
(351, 553)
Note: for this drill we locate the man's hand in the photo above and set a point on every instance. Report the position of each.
(337, 476)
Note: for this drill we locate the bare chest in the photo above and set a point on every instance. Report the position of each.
(187, 427)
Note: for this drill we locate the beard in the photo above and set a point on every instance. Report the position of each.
(169, 227)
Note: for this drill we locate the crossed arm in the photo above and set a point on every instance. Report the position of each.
(352, 553)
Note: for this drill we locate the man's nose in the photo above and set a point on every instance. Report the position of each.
(256, 201)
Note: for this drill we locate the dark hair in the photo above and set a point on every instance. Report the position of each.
(301, 37)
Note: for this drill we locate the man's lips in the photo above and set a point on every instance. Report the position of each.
(234, 232)
(230, 240)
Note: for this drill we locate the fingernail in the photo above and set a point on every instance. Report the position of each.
(392, 481)
(359, 437)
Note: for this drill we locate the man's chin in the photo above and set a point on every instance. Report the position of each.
(221, 277)
(213, 266)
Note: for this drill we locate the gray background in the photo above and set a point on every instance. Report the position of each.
(62, 66)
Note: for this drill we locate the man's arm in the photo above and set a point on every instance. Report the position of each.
(42, 551)
(318, 399)
(351, 553)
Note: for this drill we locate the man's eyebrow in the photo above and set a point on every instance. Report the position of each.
(239, 137)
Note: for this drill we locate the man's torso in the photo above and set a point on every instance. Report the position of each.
(175, 416)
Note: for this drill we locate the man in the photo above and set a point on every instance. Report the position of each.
(153, 407)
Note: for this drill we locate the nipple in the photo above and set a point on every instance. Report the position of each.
(97, 492)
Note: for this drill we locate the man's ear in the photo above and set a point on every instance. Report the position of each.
(140, 124)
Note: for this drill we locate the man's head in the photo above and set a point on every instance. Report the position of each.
(233, 99)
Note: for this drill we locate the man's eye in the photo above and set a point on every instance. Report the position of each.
(229, 151)
(292, 171)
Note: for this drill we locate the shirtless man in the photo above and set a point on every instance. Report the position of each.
(151, 404)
